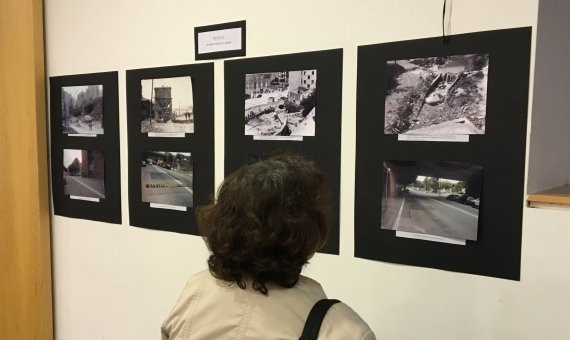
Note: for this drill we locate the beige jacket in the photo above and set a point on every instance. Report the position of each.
(210, 309)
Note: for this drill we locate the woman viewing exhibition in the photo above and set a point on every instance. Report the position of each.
(269, 219)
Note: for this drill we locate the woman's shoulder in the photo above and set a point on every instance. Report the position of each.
(306, 282)
(342, 322)
(198, 277)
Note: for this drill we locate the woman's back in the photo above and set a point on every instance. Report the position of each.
(212, 309)
(269, 219)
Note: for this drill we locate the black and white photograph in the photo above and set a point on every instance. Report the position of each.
(84, 173)
(437, 96)
(167, 179)
(280, 103)
(82, 110)
(432, 198)
(167, 107)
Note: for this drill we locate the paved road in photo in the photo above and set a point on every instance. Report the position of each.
(84, 186)
(163, 186)
(430, 214)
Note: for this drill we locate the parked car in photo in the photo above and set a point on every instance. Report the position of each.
(165, 165)
(469, 200)
(452, 197)
(462, 199)
(475, 203)
(143, 163)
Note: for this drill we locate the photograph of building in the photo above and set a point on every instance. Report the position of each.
(167, 106)
(281, 103)
(84, 173)
(437, 96)
(82, 109)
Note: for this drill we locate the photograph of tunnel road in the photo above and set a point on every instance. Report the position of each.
(167, 178)
(437, 96)
(435, 198)
(83, 173)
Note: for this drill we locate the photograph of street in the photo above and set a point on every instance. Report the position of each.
(437, 96)
(167, 178)
(83, 173)
(167, 106)
(280, 103)
(434, 198)
(82, 109)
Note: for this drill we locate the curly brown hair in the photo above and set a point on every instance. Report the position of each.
(268, 221)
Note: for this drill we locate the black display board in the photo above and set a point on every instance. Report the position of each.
(89, 180)
(200, 144)
(323, 147)
(500, 151)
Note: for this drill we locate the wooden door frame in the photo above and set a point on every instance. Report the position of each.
(25, 242)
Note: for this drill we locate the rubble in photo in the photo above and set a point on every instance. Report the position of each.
(280, 103)
(82, 109)
(437, 95)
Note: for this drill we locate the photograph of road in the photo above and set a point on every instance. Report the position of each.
(83, 173)
(437, 96)
(82, 109)
(167, 106)
(167, 178)
(433, 198)
(280, 103)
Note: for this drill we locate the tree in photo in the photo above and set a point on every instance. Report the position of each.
(459, 187)
(420, 185)
(431, 184)
(74, 167)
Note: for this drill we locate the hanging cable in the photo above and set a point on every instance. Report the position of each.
(445, 38)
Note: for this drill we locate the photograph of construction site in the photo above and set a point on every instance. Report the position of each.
(167, 178)
(84, 173)
(82, 109)
(167, 107)
(280, 103)
(437, 96)
(432, 198)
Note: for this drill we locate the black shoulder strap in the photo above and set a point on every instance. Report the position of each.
(315, 318)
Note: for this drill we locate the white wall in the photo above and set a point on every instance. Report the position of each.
(549, 161)
(119, 282)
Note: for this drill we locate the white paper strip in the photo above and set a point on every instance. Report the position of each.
(81, 135)
(168, 206)
(429, 237)
(84, 198)
(290, 138)
(166, 134)
(432, 138)
(220, 40)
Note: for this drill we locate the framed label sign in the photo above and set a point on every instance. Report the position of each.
(220, 40)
